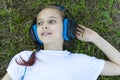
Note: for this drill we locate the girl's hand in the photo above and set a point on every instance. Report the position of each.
(86, 34)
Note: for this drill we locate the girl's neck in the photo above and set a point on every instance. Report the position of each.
(54, 46)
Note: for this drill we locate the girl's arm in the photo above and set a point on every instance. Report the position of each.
(6, 77)
(112, 67)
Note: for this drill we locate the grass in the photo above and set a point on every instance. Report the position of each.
(16, 18)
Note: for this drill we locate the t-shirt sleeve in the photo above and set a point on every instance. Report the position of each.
(92, 67)
(15, 70)
(95, 67)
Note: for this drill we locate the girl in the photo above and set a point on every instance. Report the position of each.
(51, 28)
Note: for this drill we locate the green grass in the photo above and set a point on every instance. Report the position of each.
(16, 17)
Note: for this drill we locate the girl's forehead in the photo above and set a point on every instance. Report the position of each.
(49, 11)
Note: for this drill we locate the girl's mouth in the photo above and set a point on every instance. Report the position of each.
(46, 33)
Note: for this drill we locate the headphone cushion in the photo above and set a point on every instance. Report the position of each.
(69, 29)
(34, 34)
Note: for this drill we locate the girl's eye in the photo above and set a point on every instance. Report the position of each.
(52, 21)
(40, 23)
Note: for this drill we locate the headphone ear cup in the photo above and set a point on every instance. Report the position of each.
(34, 34)
(69, 29)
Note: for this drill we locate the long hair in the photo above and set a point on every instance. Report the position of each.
(30, 61)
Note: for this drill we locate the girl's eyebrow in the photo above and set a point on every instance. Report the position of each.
(39, 19)
(49, 17)
(52, 17)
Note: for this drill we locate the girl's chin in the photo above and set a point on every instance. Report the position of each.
(47, 42)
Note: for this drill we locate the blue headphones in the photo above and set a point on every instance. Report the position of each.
(69, 28)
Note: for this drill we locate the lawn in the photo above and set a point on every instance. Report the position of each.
(103, 16)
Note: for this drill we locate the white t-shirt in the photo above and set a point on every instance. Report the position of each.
(56, 65)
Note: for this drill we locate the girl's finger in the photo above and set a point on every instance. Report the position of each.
(81, 34)
(79, 29)
(82, 27)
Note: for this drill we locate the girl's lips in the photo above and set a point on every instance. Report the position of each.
(46, 33)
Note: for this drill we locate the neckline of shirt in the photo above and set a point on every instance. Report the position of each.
(54, 52)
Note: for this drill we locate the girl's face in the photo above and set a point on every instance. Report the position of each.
(50, 26)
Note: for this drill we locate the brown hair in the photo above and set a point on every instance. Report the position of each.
(30, 61)
(32, 58)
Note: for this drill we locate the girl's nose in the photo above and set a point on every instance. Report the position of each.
(45, 26)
